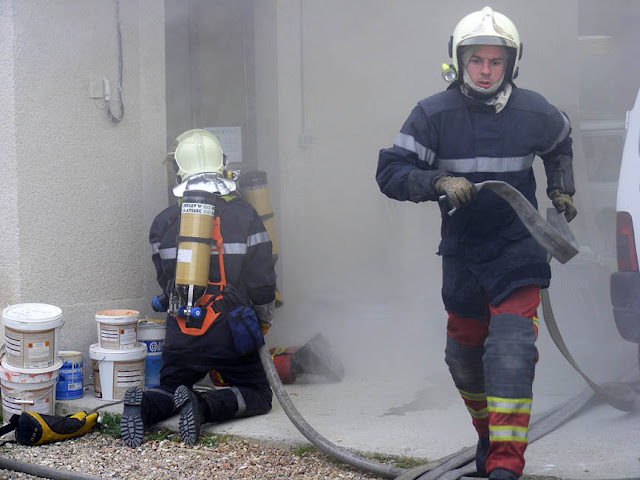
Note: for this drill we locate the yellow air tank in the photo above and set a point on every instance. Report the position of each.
(194, 250)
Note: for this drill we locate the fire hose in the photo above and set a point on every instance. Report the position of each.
(556, 239)
(558, 242)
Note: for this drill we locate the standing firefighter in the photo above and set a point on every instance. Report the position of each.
(485, 128)
(215, 322)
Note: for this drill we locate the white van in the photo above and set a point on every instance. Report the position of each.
(625, 283)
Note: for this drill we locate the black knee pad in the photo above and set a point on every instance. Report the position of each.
(510, 356)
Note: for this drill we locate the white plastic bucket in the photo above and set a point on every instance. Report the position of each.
(117, 329)
(116, 370)
(28, 389)
(31, 333)
(70, 381)
(152, 333)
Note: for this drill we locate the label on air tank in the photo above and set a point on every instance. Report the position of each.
(198, 208)
(184, 256)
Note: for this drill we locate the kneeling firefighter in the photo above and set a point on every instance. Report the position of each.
(213, 261)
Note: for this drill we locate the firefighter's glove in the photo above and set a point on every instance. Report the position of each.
(36, 429)
(563, 203)
(265, 314)
(459, 191)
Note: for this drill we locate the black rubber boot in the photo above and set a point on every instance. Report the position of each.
(482, 449)
(131, 424)
(186, 400)
(502, 474)
(316, 358)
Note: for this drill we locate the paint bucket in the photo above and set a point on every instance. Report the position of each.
(116, 370)
(70, 382)
(28, 389)
(152, 333)
(31, 332)
(117, 329)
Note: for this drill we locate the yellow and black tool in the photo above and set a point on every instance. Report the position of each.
(36, 429)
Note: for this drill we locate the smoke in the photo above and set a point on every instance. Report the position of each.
(318, 87)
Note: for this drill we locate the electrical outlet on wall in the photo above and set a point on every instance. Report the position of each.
(96, 89)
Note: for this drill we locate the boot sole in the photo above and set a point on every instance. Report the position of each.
(131, 425)
(186, 401)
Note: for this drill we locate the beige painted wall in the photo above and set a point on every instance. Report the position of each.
(79, 192)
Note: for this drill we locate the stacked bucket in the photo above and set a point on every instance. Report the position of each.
(128, 353)
(30, 366)
(118, 358)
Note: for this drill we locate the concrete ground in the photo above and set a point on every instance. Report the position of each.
(397, 397)
(426, 420)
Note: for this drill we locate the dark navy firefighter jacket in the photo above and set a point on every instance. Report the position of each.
(452, 134)
(248, 264)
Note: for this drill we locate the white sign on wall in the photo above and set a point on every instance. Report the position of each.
(231, 142)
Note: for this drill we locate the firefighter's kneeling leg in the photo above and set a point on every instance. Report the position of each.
(509, 367)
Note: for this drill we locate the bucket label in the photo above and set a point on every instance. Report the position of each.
(30, 349)
(115, 337)
(125, 375)
(152, 367)
(15, 401)
(97, 387)
(154, 346)
(70, 381)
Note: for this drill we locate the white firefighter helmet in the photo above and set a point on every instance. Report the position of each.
(197, 151)
(486, 27)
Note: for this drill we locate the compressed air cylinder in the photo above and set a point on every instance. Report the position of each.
(255, 190)
(194, 246)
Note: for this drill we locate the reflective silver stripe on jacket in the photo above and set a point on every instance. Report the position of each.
(409, 143)
(561, 137)
(168, 253)
(487, 164)
(227, 248)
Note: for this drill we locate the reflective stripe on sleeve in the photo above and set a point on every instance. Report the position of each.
(561, 137)
(487, 164)
(409, 143)
(168, 253)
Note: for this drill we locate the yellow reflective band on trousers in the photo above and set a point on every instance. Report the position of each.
(508, 433)
(509, 405)
(474, 397)
(476, 403)
(277, 351)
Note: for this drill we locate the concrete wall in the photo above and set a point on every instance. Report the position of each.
(79, 192)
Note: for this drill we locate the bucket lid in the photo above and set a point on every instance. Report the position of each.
(32, 313)
(69, 353)
(118, 312)
(152, 323)
(136, 353)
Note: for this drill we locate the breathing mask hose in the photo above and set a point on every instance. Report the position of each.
(324, 445)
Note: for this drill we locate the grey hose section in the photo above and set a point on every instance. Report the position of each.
(543, 232)
(43, 472)
(324, 445)
(462, 463)
(619, 395)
